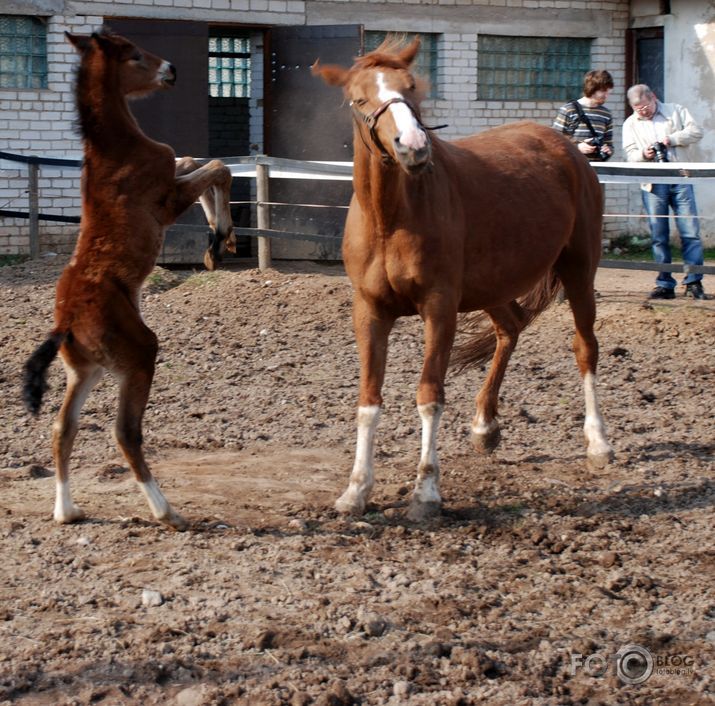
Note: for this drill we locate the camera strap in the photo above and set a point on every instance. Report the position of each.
(584, 117)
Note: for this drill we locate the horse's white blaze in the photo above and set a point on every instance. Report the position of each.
(65, 509)
(157, 502)
(362, 477)
(427, 485)
(593, 427)
(411, 134)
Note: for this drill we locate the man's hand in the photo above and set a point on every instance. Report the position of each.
(586, 148)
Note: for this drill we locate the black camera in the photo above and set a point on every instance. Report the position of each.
(661, 152)
(600, 155)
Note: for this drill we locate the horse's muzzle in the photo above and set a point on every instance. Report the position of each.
(168, 75)
(412, 160)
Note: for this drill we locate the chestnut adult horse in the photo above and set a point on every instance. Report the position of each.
(494, 222)
(132, 189)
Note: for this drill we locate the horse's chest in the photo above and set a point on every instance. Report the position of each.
(392, 284)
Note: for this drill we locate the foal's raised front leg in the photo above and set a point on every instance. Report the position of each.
(507, 322)
(440, 326)
(211, 185)
(371, 333)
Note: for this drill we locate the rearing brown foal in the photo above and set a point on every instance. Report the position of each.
(492, 222)
(132, 189)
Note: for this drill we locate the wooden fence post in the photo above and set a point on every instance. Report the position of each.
(263, 216)
(33, 193)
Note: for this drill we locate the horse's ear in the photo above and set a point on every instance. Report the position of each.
(408, 54)
(101, 40)
(80, 42)
(332, 74)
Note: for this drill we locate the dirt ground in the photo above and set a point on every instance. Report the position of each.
(522, 592)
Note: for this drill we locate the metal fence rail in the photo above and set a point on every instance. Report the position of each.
(263, 168)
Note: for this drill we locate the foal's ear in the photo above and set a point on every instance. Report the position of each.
(332, 74)
(80, 42)
(408, 54)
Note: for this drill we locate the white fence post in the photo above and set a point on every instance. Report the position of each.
(263, 216)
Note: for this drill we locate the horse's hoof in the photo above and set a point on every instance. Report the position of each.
(348, 505)
(600, 459)
(69, 515)
(420, 511)
(486, 443)
(209, 261)
(175, 521)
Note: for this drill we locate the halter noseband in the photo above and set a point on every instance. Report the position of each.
(370, 120)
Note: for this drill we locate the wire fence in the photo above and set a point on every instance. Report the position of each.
(263, 168)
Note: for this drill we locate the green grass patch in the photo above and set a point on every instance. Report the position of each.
(645, 254)
(202, 279)
(6, 260)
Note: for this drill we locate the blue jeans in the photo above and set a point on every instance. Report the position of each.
(681, 198)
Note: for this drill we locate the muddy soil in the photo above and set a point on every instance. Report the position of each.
(537, 572)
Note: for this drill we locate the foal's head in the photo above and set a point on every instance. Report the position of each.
(134, 71)
(384, 96)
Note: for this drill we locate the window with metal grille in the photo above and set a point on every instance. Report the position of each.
(230, 66)
(531, 68)
(425, 62)
(23, 52)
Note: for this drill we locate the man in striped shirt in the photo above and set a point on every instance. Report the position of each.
(596, 87)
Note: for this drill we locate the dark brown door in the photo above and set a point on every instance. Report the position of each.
(308, 120)
(179, 116)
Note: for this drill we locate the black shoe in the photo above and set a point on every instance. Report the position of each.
(663, 293)
(695, 290)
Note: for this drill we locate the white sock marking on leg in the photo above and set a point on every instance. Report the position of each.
(427, 485)
(157, 502)
(362, 477)
(593, 427)
(65, 509)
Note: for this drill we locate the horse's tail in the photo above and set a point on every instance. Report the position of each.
(479, 340)
(35, 371)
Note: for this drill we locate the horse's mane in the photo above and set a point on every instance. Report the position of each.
(86, 121)
(384, 55)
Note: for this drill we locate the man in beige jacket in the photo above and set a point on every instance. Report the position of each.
(663, 132)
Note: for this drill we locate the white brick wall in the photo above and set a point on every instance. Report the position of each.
(41, 122)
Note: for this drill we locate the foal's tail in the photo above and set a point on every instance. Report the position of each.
(479, 340)
(35, 371)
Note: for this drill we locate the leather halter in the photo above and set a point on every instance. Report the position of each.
(370, 120)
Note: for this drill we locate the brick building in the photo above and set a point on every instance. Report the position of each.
(489, 62)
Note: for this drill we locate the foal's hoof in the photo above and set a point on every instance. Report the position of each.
(175, 521)
(600, 459)
(348, 504)
(231, 242)
(486, 443)
(68, 515)
(420, 511)
(209, 261)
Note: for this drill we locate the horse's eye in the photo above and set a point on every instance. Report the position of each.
(137, 56)
(360, 101)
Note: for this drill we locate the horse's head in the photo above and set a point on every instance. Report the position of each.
(384, 97)
(138, 72)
